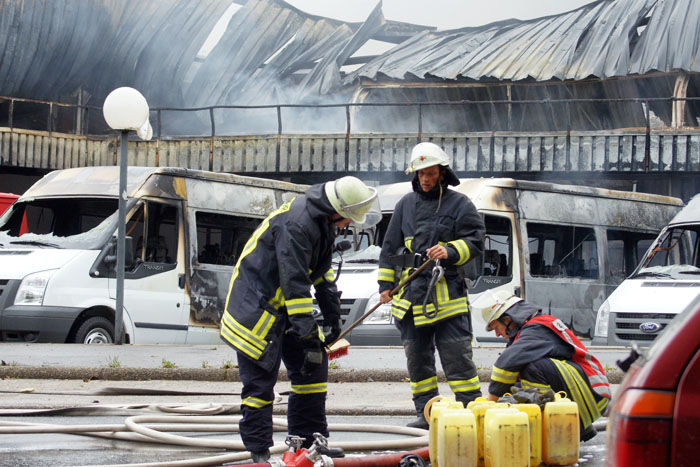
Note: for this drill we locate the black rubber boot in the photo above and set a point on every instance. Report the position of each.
(260, 456)
(588, 433)
(419, 422)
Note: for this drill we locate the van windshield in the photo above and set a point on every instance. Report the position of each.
(73, 223)
(673, 255)
(366, 242)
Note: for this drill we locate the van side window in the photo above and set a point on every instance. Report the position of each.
(625, 250)
(562, 251)
(221, 238)
(497, 246)
(154, 230)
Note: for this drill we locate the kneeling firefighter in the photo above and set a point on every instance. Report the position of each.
(269, 314)
(543, 353)
(431, 311)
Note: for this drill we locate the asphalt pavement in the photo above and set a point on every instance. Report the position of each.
(64, 384)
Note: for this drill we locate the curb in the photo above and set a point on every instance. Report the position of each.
(215, 374)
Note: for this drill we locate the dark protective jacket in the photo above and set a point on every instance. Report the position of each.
(417, 224)
(535, 336)
(270, 289)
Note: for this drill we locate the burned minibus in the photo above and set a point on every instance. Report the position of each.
(562, 248)
(185, 229)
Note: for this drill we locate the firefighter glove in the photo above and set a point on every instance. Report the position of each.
(313, 358)
(331, 329)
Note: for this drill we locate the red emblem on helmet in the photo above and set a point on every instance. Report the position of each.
(422, 158)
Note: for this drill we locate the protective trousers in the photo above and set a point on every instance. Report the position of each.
(566, 376)
(306, 410)
(452, 337)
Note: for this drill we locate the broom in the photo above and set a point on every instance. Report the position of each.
(339, 347)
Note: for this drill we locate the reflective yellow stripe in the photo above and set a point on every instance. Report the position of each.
(441, 291)
(297, 306)
(464, 385)
(309, 388)
(504, 376)
(399, 307)
(580, 392)
(425, 385)
(446, 309)
(329, 276)
(245, 333)
(407, 243)
(255, 402)
(239, 343)
(385, 274)
(252, 243)
(278, 300)
(262, 327)
(463, 251)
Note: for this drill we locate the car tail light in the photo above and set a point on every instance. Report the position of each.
(639, 429)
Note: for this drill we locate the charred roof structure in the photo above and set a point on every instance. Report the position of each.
(609, 66)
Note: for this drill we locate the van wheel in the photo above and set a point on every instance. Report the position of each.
(95, 330)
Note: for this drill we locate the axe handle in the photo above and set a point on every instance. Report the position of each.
(374, 308)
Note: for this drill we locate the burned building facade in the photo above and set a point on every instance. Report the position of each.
(604, 95)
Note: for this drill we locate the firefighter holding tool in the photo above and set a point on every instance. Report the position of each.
(433, 223)
(269, 315)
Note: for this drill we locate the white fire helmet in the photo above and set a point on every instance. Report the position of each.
(426, 155)
(354, 200)
(492, 305)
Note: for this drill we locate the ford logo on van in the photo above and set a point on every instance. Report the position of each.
(650, 327)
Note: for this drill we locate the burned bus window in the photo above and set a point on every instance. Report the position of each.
(221, 238)
(64, 217)
(625, 250)
(497, 246)
(153, 228)
(562, 251)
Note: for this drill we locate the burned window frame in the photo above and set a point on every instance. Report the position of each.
(162, 249)
(496, 265)
(565, 256)
(236, 239)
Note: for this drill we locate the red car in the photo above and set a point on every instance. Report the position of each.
(655, 414)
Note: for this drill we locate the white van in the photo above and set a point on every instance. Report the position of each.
(184, 232)
(563, 248)
(664, 283)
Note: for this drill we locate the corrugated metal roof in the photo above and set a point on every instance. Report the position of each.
(51, 49)
(272, 52)
(602, 39)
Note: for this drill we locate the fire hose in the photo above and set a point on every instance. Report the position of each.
(160, 429)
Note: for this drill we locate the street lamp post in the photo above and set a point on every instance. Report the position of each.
(124, 109)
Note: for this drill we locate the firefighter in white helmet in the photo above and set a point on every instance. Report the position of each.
(543, 353)
(269, 315)
(439, 224)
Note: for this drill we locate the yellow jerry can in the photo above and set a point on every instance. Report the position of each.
(506, 438)
(534, 415)
(560, 432)
(479, 407)
(434, 409)
(456, 438)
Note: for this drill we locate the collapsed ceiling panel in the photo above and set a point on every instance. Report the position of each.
(603, 39)
(271, 52)
(53, 49)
